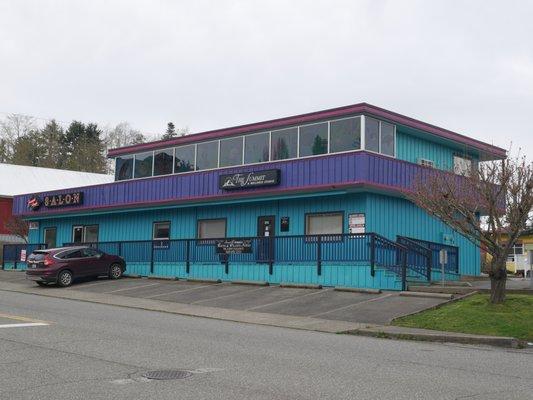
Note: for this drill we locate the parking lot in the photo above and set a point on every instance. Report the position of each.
(325, 303)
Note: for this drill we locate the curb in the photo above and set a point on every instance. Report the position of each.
(204, 280)
(251, 283)
(439, 337)
(446, 296)
(163, 278)
(134, 276)
(356, 290)
(299, 286)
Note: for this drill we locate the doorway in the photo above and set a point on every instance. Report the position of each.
(50, 237)
(265, 232)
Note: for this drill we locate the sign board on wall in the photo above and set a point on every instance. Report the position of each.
(269, 177)
(23, 255)
(56, 200)
(234, 246)
(33, 225)
(357, 223)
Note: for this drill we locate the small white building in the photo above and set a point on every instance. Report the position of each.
(20, 179)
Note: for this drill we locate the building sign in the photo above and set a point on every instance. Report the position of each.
(34, 202)
(356, 223)
(23, 255)
(33, 225)
(56, 200)
(234, 246)
(284, 225)
(244, 180)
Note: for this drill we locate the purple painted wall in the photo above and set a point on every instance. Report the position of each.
(315, 174)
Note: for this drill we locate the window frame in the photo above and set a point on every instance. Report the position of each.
(331, 237)
(210, 240)
(172, 150)
(161, 222)
(84, 234)
(50, 228)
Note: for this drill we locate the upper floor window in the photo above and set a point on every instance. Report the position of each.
(313, 139)
(337, 135)
(379, 136)
(123, 168)
(462, 165)
(143, 165)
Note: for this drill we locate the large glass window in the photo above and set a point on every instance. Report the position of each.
(387, 139)
(85, 234)
(256, 148)
(184, 158)
(143, 165)
(372, 134)
(161, 230)
(231, 152)
(345, 135)
(323, 224)
(314, 139)
(123, 168)
(211, 228)
(207, 155)
(163, 161)
(284, 144)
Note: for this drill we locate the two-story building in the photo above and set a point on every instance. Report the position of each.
(313, 198)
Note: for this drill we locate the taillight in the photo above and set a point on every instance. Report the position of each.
(48, 260)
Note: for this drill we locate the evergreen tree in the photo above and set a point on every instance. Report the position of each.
(170, 133)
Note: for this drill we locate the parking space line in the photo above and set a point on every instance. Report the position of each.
(286, 300)
(23, 319)
(180, 291)
(352, 305)
(24, 325)
(100, 282)
(132, 288)
(229, 295)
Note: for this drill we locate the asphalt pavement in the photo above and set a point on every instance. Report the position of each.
(92, 351)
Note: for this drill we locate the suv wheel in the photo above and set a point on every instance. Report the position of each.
(115, 271)
(64, 279)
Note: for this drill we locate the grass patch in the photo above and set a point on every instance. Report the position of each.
(476, 315)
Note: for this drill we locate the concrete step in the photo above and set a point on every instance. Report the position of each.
(451, 283)
(438, 289)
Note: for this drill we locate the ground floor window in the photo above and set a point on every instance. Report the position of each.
(85, 234)
(50, 236)
(162, 230)
(211, 228)
(324, 223)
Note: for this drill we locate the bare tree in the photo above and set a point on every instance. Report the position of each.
(492, 198)
(13, 128)
(17, 227)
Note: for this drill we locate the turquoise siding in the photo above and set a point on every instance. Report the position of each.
(412, 148)
(386, 215)
(391, 216)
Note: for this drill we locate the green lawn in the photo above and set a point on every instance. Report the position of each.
(476, 315)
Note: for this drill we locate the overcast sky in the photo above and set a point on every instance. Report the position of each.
(463, 65)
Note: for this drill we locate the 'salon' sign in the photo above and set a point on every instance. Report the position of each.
(56, 200)
(269, 177)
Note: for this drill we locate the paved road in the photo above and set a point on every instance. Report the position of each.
(324, 303)
(92, 351)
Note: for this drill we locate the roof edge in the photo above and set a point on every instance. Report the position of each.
(309, 117)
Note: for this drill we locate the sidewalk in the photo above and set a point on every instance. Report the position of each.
(268, 319)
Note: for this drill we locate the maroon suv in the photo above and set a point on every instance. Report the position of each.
(63, 265)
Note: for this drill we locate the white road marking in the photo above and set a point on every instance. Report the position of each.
(179, 291)
(98, 282)
(24, 325)
(351, 305)
(132, 287)
(290, 299)
(229, 295)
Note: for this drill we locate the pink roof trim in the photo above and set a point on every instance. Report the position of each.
(310, 117)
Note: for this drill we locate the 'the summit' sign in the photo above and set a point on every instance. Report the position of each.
(269, 177)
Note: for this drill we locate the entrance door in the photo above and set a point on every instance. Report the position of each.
(50, 235)
(265, 232)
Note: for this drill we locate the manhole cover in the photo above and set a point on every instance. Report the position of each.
(167, 374)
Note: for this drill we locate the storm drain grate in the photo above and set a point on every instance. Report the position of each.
(168, 374)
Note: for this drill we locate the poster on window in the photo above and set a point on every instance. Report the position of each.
(356, 223)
